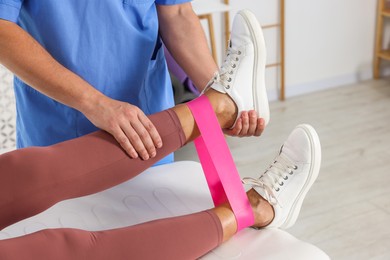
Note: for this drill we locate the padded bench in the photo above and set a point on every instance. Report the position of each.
(163, 191)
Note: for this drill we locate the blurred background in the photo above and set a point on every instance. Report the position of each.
(321, 57)
(329, 56)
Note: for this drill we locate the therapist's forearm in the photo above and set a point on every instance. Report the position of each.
(184, 37)
(27, 59)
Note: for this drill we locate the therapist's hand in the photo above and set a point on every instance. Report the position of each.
(248, 124)
(131, 128)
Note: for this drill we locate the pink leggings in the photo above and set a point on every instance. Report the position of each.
(34, 179)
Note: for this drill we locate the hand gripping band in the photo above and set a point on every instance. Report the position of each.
(217, 162)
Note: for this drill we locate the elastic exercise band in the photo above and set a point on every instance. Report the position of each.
(217, 163)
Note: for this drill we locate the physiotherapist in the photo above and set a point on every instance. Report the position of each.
(81, 65)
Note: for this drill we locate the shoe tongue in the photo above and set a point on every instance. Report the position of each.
(218, 87)
(240, 33)
(296, 148)
(293, 154)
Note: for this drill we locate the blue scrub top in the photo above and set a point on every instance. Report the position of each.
(112, 44)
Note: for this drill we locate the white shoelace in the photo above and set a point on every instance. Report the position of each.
(273, 178)
(228, 68)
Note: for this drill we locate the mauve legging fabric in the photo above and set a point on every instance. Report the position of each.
(33, 179)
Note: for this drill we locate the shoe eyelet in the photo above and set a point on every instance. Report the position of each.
(285, 178)
(231, 72)
(295, 167)
(281, 184)
(230, 80)
(239, 52)
(234, 66)
(277, 189)
(237, 59)
(228, 86)
(291, 172)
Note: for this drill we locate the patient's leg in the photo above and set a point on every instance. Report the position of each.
(185, 237)
(33, 179)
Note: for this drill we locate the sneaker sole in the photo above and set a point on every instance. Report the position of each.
(313, 174)
(259, 91)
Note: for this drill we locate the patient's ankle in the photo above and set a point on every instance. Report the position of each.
(263, 211)
(223, 106)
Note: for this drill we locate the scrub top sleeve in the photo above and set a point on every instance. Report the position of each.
(169, 2)
(10, 9)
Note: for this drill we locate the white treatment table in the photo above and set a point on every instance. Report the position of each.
(163, 191)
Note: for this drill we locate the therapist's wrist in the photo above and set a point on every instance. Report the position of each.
(91, 102)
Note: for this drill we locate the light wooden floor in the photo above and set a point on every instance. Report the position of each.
(347, 211)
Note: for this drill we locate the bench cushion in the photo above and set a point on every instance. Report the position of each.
(163, 191)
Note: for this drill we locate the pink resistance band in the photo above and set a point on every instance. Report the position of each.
(217, 162)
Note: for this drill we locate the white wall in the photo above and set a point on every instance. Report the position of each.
(328, 42)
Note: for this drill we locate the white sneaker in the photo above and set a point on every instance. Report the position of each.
(242, 75)
(288, 179)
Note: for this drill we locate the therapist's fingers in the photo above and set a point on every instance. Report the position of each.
(145, 138)
(260, 126)
(245, 124)
(252, 115)
(235, 131)
(241, 127)
(141, 134)
(137, 140)
(156, 138)
(130, 127)
(124, 142)
(248, 124)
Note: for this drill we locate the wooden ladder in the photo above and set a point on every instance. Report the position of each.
(380, 53)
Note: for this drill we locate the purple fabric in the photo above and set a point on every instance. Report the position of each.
(179, 73)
